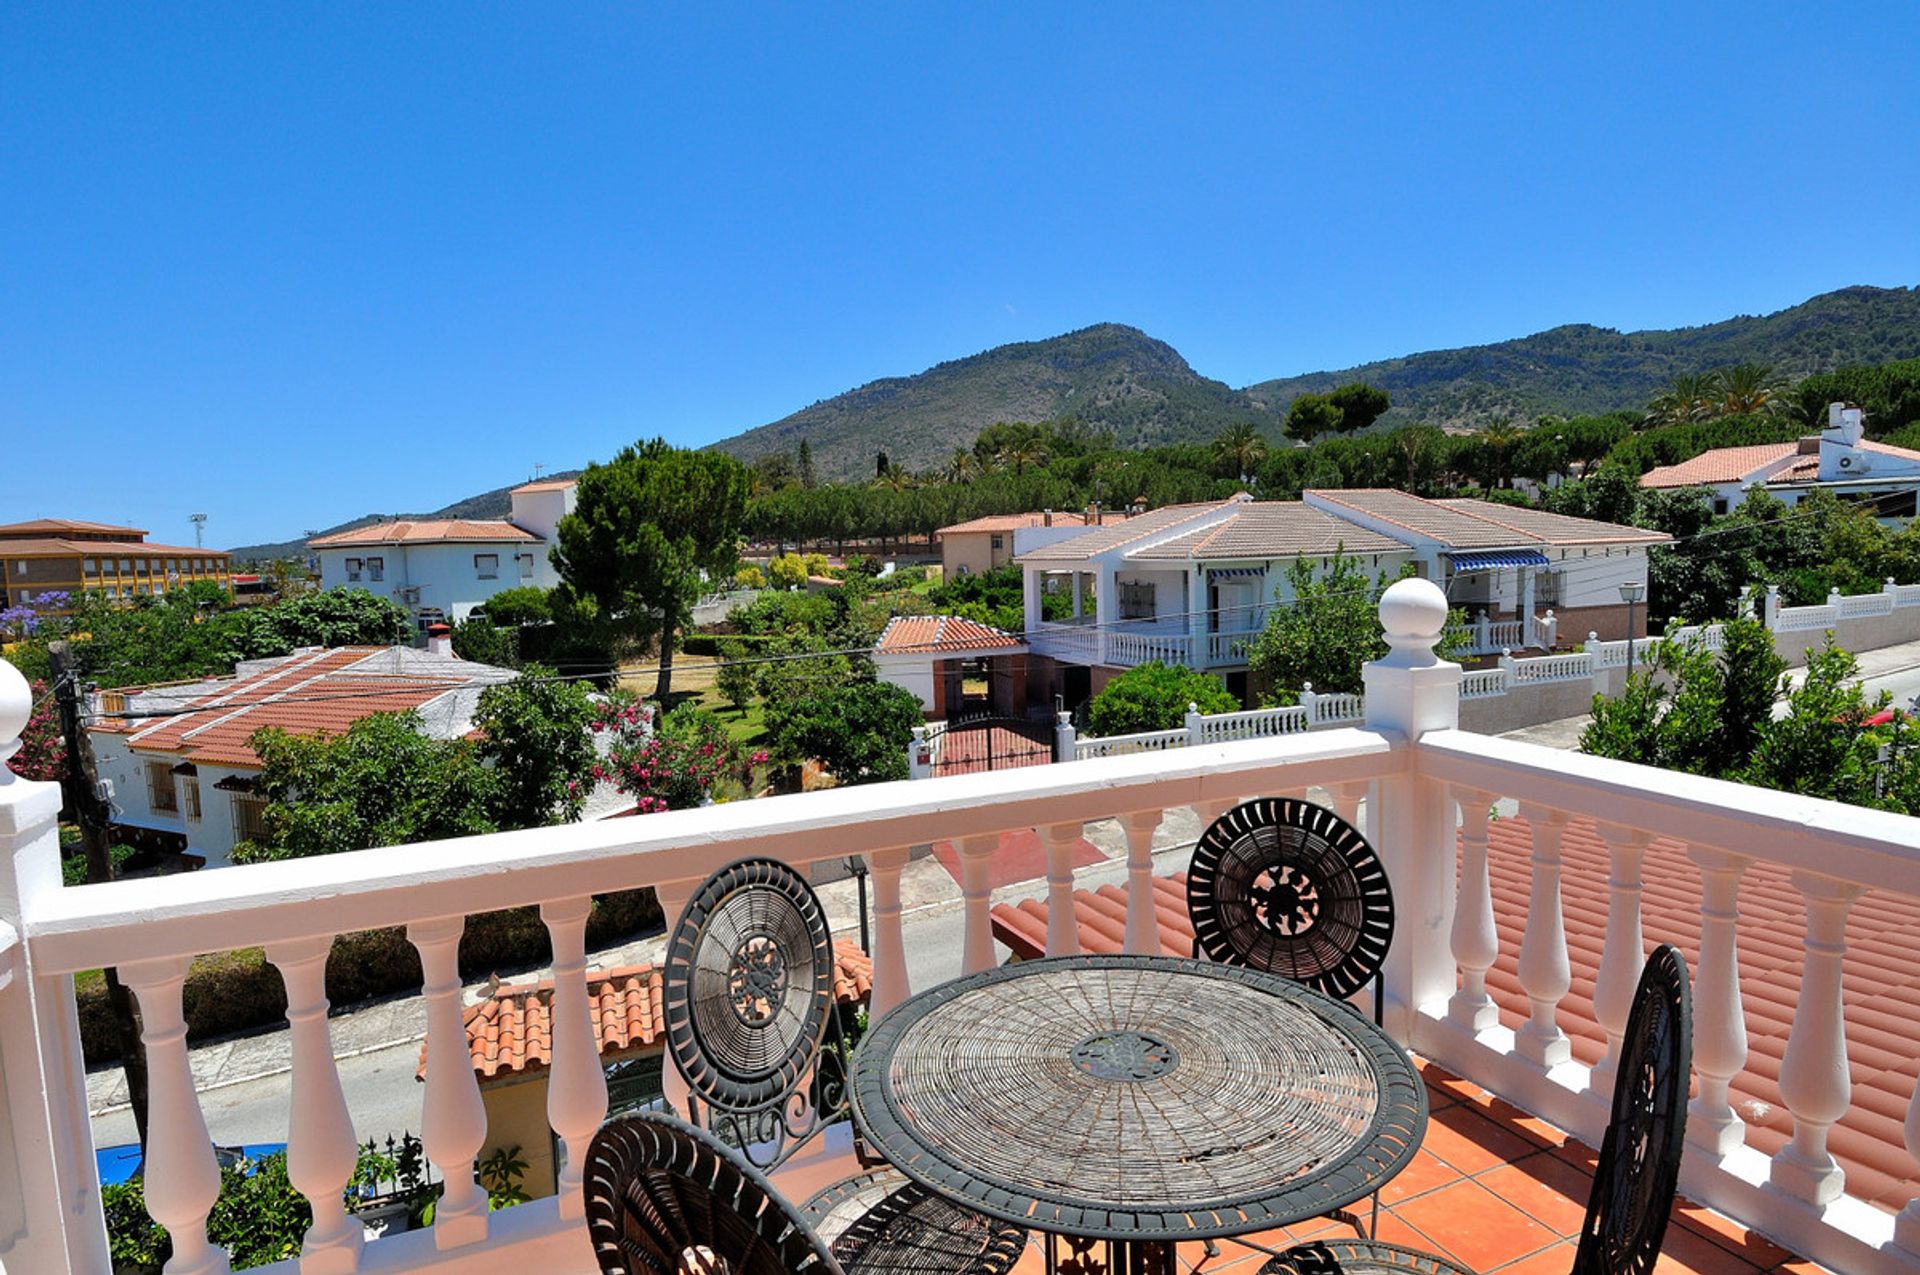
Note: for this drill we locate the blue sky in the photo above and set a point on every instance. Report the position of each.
(290, 264)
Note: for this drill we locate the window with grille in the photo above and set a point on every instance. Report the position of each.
(376, 568)
(248, 825)
(526, 565)
(486, 565)
(353, 568)
(190, 798)
(1136, 601)
(160, 795)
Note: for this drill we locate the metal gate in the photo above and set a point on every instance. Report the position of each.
(973, 744)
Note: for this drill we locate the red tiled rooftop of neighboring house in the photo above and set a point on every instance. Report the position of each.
(1270, 529)
(941, 633)
(511, 1031)
(1882, 978)
(1721, 465)
(544, 484)
(425, 531)
(57, 526)
(1015, 522)
(55, 547)
(1098, 540)
(1480, 524)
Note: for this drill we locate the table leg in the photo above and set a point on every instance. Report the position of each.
(1074, 1255)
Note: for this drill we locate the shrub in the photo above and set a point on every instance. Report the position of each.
(525, 604)
(788, 571)
(1155, 696)
(750, 577)
(859, 732)
(479, 639)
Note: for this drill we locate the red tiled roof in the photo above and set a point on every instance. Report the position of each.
(55, 526)
(1014, 522)
(1721, 465)
(544, 484)
(1881, 977)
(424, 531)
(941, 633)
(54, 546)
(511, 1032)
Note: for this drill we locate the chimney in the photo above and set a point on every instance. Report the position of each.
(1840, 453)
(1093, 514)
(440, 641)
(1047, 516)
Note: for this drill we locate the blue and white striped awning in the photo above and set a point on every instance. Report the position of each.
(1499, 558)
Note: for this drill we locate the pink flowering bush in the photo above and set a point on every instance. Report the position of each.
(43, 753)
(689, 757)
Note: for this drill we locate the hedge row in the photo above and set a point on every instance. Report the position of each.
(239, 991)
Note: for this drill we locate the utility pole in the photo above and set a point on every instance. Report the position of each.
(83, 790)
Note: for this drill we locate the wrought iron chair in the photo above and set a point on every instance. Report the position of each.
(1639, 1166)
(882, 1223)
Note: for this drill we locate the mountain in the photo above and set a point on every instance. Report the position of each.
(486, 505)
(1119, 378)
(1110, 375)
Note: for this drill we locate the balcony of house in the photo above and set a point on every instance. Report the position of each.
(1527, 883)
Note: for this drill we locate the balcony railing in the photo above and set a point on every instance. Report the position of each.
(1422, 789)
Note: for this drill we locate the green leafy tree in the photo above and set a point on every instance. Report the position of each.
(536, 734)
(1360, 405)
(336, 617)
(479, 639)
(1822, 746)
(788, 571)
(735, 677)
(1240, 449)
(859, 733)
(525, 604)
(1329, 629)
(647, 530)
(1310, 416)
(1155, 696)
(1690, 709)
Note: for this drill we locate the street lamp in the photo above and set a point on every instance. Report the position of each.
(1630, 593)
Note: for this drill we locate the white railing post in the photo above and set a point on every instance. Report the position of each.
(1063, 927)
(1194, 725)
(1545, 974)
(1815, 1082)
(1309, 702)
(1480, 640)
(1599, 673)
(1063, 737)
(1624, 953)
(453, 1121)
(976, 862)
(919, 755)
(1719, 1018)
(1409, 692)
(1552, 629)
(1771, 617)
(182, 1176)
(1475, 940)
(577, 1082)
(1143, 923)
(890, 982)
(50, 1216)
(321, 1149)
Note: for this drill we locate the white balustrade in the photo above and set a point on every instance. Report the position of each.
(1545, 974)
(1480, 683)
(1719, 1019)
(1552, 668)
(577, 1090)
(976, 869)
(1126, 649)
(321, 1148)
(1230, 647)
(1143, 923)
(182, 1176)
(1815, 1081)
(1152, 741)
(1624, 953)
(1474, 939)
(1905, 595)
(1063, 927)
(890, 982)
(453, 1124)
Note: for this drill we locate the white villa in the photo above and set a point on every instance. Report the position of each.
(441, 569)
(1191, 584)
(1839, 460)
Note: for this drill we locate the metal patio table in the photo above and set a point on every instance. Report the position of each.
(1122, 1104)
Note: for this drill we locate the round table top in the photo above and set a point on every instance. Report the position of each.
(1136, 1097)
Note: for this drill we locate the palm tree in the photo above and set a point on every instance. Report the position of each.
(1023, 452)
(1751, 389)
(1690, 398)
(1240, 449)
(1496, 440)
(896, 479)
(960, 466)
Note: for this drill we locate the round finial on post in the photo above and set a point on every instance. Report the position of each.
(16, 706)
(1413, 612)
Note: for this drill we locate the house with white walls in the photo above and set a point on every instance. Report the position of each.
(179, 758)
(1192, 584)
(440, 569)
(1840, 460)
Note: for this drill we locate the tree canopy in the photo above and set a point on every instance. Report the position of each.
(1155, 696)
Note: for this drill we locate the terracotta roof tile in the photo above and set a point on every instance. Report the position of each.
(1721, 465)
(1101, 539)
(55, 526)
(425, 531)
(511, 1032)
(1270, 529)
(545, 484)
(939, 633)
(1015, 522)
(1556, 529)
(57, 547)
(1881, 978)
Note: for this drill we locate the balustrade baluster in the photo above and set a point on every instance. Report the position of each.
(577, 1082)
(674, 1090)
(182, 1176)
(890, 981)
(1906, 1227)
(1815, 1081)
(453, 1123)
(1346, 799)
(1063, 927)
(1625, 952)
(1719, 1018)
(1143, 924)
(1475, 940)
(321, 1149)
(1544, 972)
(976, 862)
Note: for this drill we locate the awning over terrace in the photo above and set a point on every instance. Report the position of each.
(1492, 559)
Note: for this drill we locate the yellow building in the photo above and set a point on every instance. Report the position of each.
(66, 556)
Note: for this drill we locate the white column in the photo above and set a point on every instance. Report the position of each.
(674, 1089)
(1476, 942)
(1030, 579)
(1197, 619)
(576, 1083)
(1143, 923)
(1624, 953)
(182, 1176)
(321, 1148)
(1526, 605)
(1815, 1081)
(1106, 609)
(1906, 1227)
(1079, 598)
(1545, 974)
(1064, 736)
(453, 1121)
(919, 755)
(1063, 927)
(890, 982)
(1719, 1019)
(976, 863)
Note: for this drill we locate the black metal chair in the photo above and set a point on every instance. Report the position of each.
(1639, 1167)
(882, 1223)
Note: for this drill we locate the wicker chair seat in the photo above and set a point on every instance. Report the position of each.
(1359, 1257)
(881, 1223)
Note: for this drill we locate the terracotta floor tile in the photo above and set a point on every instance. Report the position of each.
(1729, 1234)
(1476, 1226)
(1557, 1260)
(1687, 1252)
(1471, 1142)
(1800, 1266)
(1545, 1188)
(1426, 1172)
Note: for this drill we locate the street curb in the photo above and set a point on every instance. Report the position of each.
(118, 1107)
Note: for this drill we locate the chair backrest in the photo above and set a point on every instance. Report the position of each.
(1639, 1167)
(747, 991)
(666, 1198)
(1291, 888)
